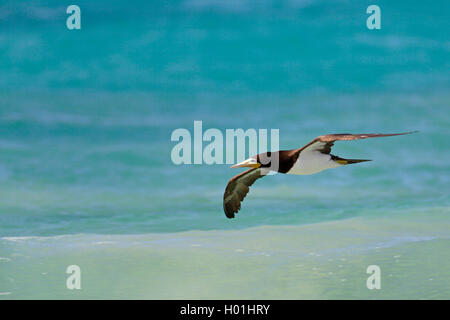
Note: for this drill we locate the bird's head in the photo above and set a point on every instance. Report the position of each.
(261, 160)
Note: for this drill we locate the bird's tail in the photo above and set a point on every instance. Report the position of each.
(347, 161)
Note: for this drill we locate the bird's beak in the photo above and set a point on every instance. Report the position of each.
(247, 163)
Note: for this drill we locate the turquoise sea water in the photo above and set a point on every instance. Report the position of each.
(86, 176)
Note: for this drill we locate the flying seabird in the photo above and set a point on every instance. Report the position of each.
(310, 159)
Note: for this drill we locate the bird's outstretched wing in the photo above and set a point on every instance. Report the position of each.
(324, 143)
(237, 189)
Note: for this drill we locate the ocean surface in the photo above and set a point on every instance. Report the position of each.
(86, 176)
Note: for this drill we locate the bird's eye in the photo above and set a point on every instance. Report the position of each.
(269, 154)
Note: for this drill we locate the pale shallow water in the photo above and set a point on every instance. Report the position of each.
(320, 261)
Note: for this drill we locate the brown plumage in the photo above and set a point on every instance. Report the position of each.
(239, 185)
(237, 189)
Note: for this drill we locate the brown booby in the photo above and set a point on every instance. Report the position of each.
(309, 159)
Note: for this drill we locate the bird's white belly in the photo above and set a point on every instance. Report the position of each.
(312, 162)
